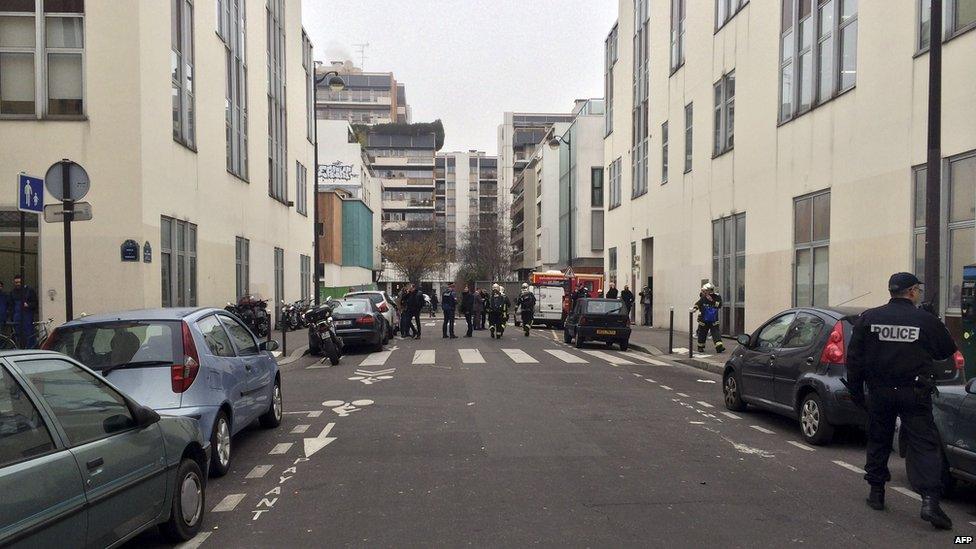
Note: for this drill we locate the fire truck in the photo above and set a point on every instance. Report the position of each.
(554, 292)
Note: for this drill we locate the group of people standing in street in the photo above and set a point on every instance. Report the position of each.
(479, 306)
(411, 302)
(18, 308)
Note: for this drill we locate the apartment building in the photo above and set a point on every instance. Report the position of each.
(826, 169)
(368, 97)
(466, 199)
(194, 126)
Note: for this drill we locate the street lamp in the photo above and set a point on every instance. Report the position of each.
(336, 83)
(554, 144)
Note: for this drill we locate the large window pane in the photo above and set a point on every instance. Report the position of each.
(740, 233)
(825, 51)
(820, 279)
(64, 83)
(16, 83)
(919, 252)
(802, 221)
(803, 291)
(961, 253)
(965, 13)
(962, 189)
(924, 24)
(821, 217)
(848, 54)
(740, 279)
(786, 93)
(787, 14)
(23, 433)
(16, 32)
(919, 183)
(64, 6)
(65, 32)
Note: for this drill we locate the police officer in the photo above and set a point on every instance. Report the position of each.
(892, 350)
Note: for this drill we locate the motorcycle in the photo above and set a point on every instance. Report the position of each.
(253, 311)
(323, 339)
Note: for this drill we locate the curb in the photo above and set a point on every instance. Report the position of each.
(693, 362)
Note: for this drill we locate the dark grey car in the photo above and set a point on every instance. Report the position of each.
(83, 465)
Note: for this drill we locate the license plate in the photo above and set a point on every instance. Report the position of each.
(343, 323)
(606, 332)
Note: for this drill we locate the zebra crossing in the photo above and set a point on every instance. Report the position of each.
(432, 357)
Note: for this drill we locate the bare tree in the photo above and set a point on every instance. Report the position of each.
(485, 252)
(416, 254)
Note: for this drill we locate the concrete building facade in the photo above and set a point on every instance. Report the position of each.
(368, 97)
(466, 198)
(208, 177)
(817, 202)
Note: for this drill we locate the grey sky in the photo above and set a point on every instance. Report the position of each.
(468, 61)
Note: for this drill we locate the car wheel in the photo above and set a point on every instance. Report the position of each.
(566, 337)
(732, 392)
(624, 345)
(220, 447)
(813, 423)
(186, 514)
(272, 418)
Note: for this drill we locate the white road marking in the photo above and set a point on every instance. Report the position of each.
(228, 503)
(281, 448)
(705, 380)
(704, 404)
(697, 422)
(680, 350)
(316, 413)
(730, 415)
(195, 541)
(649, 379)
(665, 387)
(376, 359)
(313, 445)
(763, 430)
(907, 492)
(566, 357)
(615, 360)
(801, 446)
(299, 429)
(641, 357)
(259, 471)
(299, 412)
(471, 356)
(682, 395)
(848, 466)
(519, 356)
(429, 324)
(423, 357)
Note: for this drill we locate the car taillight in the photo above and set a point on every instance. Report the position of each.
(365, 320)
(834, 352)
(182, 375)
(383, 307)
(959, 360)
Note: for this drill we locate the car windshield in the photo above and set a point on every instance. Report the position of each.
(352, 306)
(109, 345)
(604, 307)
(375, 298)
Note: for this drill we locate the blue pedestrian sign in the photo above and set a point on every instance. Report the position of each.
(30, 191)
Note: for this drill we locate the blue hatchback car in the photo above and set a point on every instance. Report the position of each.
(202, 363)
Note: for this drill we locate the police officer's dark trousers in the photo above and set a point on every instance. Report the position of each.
(705, 328)
(447, 328)
(470, 321)
(923, 461)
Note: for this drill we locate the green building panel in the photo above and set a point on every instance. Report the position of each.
(357, 234)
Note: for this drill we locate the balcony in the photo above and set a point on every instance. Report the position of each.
(401, 182)
(407, 204)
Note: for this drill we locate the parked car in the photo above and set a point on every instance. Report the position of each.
(200, 363)
(360, 322)
(598, 319)
(386, 306)
(793, 365)
(84, 465)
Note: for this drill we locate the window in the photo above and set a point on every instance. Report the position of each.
(726, 9)
(309, 65)
(689, 143)
(277, 114)
(213, 333)
(232, 30)
(615, 182)
(678, 12)
(279, 280)
(301, 192)
(818, 53)
(804, 332)
(664, 152)
(178, 261)
(596, 187)
(638, 152)
(729, 269)
(305, 270)
(612, 266)
(811, 242)
(609, 60)
(181, 31)
(86, 408)
(242, 266)
(42, 59)
(724, 113)
(958, 16)
(23, 433)
(241, 336)
(773, 334)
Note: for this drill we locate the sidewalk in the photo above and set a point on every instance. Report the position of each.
(297, 341)
(655, 341)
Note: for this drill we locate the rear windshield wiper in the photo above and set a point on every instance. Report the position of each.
(112, 368)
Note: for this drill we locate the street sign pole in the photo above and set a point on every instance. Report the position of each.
(66, 204)
(23, 244)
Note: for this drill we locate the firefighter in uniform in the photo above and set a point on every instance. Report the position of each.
(891, 352)
(708, 306)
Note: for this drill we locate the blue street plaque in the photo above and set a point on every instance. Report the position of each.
(147, 252)
(130, 250)
(30, 193)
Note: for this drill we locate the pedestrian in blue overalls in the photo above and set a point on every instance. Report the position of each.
(23, 300)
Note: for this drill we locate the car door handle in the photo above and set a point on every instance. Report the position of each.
(809, 360)
(95, 463)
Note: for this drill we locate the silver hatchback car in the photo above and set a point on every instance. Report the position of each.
(201, 363)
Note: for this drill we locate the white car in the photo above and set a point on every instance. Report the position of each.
(385, 305)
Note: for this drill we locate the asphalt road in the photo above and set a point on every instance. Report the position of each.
(528, 441)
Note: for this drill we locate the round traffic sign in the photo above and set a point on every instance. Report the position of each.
(78, 182)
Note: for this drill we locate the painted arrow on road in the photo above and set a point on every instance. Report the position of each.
(313, 445)
(376, 373)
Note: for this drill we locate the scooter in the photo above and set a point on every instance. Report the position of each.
(323, 338)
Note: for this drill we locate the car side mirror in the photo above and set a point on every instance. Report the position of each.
(743, 339)
(971, 386)
(271, 345)
(143, 416)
